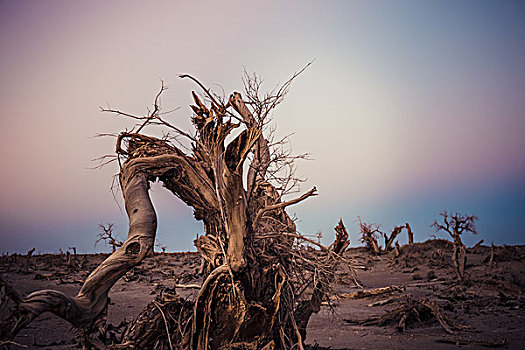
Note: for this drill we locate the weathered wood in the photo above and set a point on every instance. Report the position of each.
(365, 293)
(92, 299)
(389, 240)
(250, 250)
(409, 233)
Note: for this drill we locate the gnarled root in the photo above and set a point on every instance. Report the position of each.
(163, 324)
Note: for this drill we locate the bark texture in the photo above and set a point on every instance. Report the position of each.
(83, 309)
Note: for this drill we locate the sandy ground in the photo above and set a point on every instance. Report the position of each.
(492, 300)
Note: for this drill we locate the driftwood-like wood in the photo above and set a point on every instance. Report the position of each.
(365, 293)
(258, 290)
(92, 299)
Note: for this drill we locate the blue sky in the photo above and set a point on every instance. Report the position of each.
(410, 108)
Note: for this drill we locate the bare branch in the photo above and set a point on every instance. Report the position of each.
(310, 193)
(153, 118)
(107, 236)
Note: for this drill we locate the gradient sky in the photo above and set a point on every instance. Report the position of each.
(410, 107)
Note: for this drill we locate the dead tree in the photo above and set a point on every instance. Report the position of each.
(369, 235)
(390, 239)
(162, 247)
(72, 258)
(397, 249)
(106, 235)
(371, 232)
(409, 233)
(260, 288)
(455, 225)
(28, 258)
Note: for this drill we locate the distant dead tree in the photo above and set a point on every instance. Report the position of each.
(409, 233)
(455, 225)
(369, 235)
(389, 240)
(28, 258)
(161, 246)
(106, 235)
(72, 260)
(397, 249)
(259, 287)
(371, 232)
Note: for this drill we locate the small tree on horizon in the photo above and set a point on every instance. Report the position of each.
(369, 235)
(106, 234)
(455, 224)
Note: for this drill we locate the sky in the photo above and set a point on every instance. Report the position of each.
(409, 108)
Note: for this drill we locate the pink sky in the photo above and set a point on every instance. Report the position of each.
(404, 99)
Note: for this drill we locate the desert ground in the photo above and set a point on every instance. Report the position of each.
(489, 302)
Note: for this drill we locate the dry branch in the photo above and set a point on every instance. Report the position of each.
(283, 205)
(365, 293)
(383, 302)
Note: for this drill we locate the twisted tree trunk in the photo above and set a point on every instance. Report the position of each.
(255, 294)
(92, 299)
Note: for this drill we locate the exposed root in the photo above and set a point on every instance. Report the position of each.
(163, 322)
